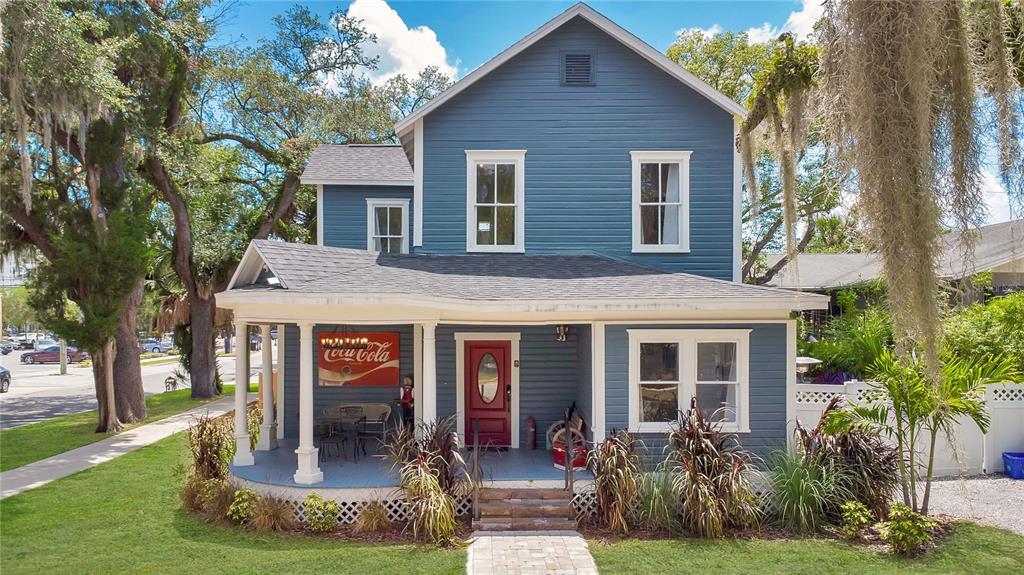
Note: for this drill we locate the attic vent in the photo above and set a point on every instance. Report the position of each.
(577, 68)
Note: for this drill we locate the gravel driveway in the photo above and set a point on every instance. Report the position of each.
(994, 500)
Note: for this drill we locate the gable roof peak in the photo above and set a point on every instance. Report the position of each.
(617, 32)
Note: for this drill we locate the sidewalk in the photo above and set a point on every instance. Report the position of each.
(529, 553)
(42, 472)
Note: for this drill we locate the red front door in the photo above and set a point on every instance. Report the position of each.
(488, 379)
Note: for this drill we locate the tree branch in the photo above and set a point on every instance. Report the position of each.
(800, 247)
(31, 232)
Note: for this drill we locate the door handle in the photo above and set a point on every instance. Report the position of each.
(508, 398)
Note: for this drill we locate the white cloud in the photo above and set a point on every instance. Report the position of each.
(800, 23)
(402, 50)
(996, 198)
(708, 32)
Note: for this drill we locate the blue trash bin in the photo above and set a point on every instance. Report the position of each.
(1013, 464)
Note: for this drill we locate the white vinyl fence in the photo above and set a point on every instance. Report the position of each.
(973, 452)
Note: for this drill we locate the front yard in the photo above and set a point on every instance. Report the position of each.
(124, 516)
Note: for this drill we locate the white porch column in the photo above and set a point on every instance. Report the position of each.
(597, 374)
(268, 431)
(308, 471)
(280, 381)
(417, 372)
(429, 411)
(243, 455)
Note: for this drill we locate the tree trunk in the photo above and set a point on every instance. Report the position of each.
(204, 357)
(129, 396)
(931, 470)
(103, 371)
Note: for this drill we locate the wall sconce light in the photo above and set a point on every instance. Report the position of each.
(562, 331)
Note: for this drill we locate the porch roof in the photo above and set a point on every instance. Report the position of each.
(271, 269)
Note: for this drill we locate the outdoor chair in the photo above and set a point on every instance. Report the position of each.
(328, 434)
(375, 425)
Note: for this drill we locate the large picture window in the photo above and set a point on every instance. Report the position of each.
(661, 191)
(494, 200)
(387, 225)
(669, 366)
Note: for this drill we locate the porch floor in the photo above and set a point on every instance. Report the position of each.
(277, 467)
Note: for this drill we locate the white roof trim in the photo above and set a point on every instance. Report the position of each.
(249, 268)
(333, 182)
(611, 28)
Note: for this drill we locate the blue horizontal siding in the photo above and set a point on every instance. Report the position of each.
(344, 212)
(767, 385)
(578, 142)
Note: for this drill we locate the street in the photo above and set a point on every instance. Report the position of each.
(39, 392)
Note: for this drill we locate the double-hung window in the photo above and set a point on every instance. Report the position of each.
(661, 190)
(387, 225)
(495, 194)
(667, 367)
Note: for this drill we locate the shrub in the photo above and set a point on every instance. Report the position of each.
(804, 491)
(906, 531)
(853, 340)
(856, 517)
(192, 493)
(254, 417)
(655, 502)
(400, 445)
(242, 505)
(210, 444)
(321, 514)
(432, 509)
(710, 476)
(616, 468)
(442, 446)
(217, 496)
(992, 328)
(373, 518)
(272, 514)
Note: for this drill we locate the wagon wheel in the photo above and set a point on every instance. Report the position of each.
(558, 437)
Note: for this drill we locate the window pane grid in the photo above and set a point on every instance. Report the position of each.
(495, 204)
(388, 234)
(660, 203)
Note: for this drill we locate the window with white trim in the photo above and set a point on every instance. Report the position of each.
(495, 194)
(667, 367)
(661, 190)
(387, 225)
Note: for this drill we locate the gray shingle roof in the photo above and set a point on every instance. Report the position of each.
(358, 163)
(996, 244)
(312, 269)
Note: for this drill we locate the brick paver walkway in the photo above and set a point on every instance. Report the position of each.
(529, 553)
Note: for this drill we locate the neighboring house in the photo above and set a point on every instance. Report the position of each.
(560, 227)
(998, 250)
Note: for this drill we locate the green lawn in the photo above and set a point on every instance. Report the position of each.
(35, 441)
(124, 516)
(970, 550)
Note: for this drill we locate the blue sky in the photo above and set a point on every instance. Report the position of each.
(460, 36)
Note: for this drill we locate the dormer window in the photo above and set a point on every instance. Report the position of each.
(577, 68)
(661, 202)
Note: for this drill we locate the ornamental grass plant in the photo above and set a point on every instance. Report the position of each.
(616, 468)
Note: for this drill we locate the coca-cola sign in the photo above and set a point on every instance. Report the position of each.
(359, 359)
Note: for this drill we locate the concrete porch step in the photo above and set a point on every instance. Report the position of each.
(526, 508)
(523, 524)
(506, 493)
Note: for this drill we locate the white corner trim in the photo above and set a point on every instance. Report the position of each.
(372, 204)
(687, 339)
(460, 378)
(737, 206)
(614, 30)
(682, 158)
(790, 382)
(319, 214)
(597, 376)
(417, 188)
(515, 157)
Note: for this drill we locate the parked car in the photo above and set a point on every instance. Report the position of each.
(5, 379)
(6, 348)
(52, 355)
(25, 342)
(44, 343)
(151, 345)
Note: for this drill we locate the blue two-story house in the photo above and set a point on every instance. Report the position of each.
(559, 228)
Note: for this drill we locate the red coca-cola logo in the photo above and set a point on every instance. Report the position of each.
(359, 359)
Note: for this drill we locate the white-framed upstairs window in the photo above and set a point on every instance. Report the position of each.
(667, 367)
(661, 201)
(495, 198)
(387, 225)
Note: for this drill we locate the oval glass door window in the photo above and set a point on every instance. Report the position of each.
(487, 378)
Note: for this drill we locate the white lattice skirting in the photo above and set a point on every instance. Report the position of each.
(353, 501)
